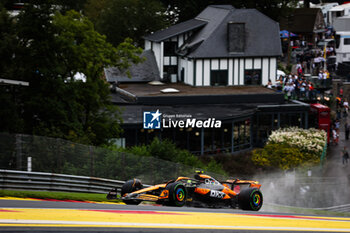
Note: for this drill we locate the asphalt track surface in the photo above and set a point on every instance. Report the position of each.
(51, 216)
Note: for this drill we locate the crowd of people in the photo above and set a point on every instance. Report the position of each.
(342, 110)
(297, 86)
(312, 59)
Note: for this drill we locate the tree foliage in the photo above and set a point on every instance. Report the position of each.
(185, 10)
(118, 19)
(47, 48)
(166, 150)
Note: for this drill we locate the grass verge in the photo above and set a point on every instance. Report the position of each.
(56, 195)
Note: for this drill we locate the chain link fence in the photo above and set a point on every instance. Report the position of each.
(54, 155)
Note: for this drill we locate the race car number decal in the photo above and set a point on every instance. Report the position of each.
(217, 194)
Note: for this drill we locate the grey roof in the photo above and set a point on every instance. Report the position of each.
(214, 16)
(210, 41)
(143, 72)
(175, 30)
(304, 20)
(262, 36)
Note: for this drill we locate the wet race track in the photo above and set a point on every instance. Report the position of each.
(51, 216)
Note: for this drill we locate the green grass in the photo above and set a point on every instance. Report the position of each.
(299, 210)
(56, 195)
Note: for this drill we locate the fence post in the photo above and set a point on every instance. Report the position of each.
(29, 164)
(323, 155)
(123, 175)
(91, 152)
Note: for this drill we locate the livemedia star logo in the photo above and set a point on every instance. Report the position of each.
(151, 120)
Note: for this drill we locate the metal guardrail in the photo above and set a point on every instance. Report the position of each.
(11, 179)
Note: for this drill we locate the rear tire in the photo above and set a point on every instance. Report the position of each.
(177, 194)
(129, 187)
(250, 199)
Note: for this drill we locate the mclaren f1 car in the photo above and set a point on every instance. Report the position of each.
(203, 190)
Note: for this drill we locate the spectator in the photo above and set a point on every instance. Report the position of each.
(269, 84)
(338, 111)
(311, 91)
(337, 125)
(346, 106)
(335, 137)
(347, 130)
(345, 155)
(289, 89)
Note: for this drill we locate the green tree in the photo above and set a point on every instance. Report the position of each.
(50, 49)
(118, 19)
(185, 10)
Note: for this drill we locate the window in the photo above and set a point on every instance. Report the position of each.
(346, 41)
(218, 78)
(337, 41)
(168, 72)
(252, 77)
(170, 48)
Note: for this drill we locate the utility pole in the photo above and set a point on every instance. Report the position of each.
(19, 152)
(289, 25)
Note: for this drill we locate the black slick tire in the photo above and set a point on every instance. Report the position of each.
(129, 187)
(177, 194)
(250, 199)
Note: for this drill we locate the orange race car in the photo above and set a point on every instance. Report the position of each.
(203, 190)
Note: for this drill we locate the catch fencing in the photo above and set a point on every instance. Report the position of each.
(54, 155)
(22, 180)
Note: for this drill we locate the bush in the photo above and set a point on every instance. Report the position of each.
(166, 150)
(238, 165)
(290, 148)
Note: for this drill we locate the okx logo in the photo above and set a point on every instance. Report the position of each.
(151, 120)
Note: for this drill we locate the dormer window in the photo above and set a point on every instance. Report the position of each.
(170, 48)
(236, 37)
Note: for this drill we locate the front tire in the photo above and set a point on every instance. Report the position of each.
(250, 199)
(177, 194)
(129, 187)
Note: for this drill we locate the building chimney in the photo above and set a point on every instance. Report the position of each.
(236, 37)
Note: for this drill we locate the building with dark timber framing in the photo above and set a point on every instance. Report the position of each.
(217, 65)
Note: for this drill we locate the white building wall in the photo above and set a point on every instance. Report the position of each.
(182, 64)
(206, 72)
(257, 63)
(214, 64)
(230, 72)
(199, 73)
(166, 61)
(147, 45)
(180, 41)
(265, 70)
(241, 71)
(249, 63)
(235, 71)
(173, 61)
(223, 64)
(190, 72)
(161, 70)
(159, 56)
(273, 70)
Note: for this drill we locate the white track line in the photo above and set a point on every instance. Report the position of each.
(160, 225)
